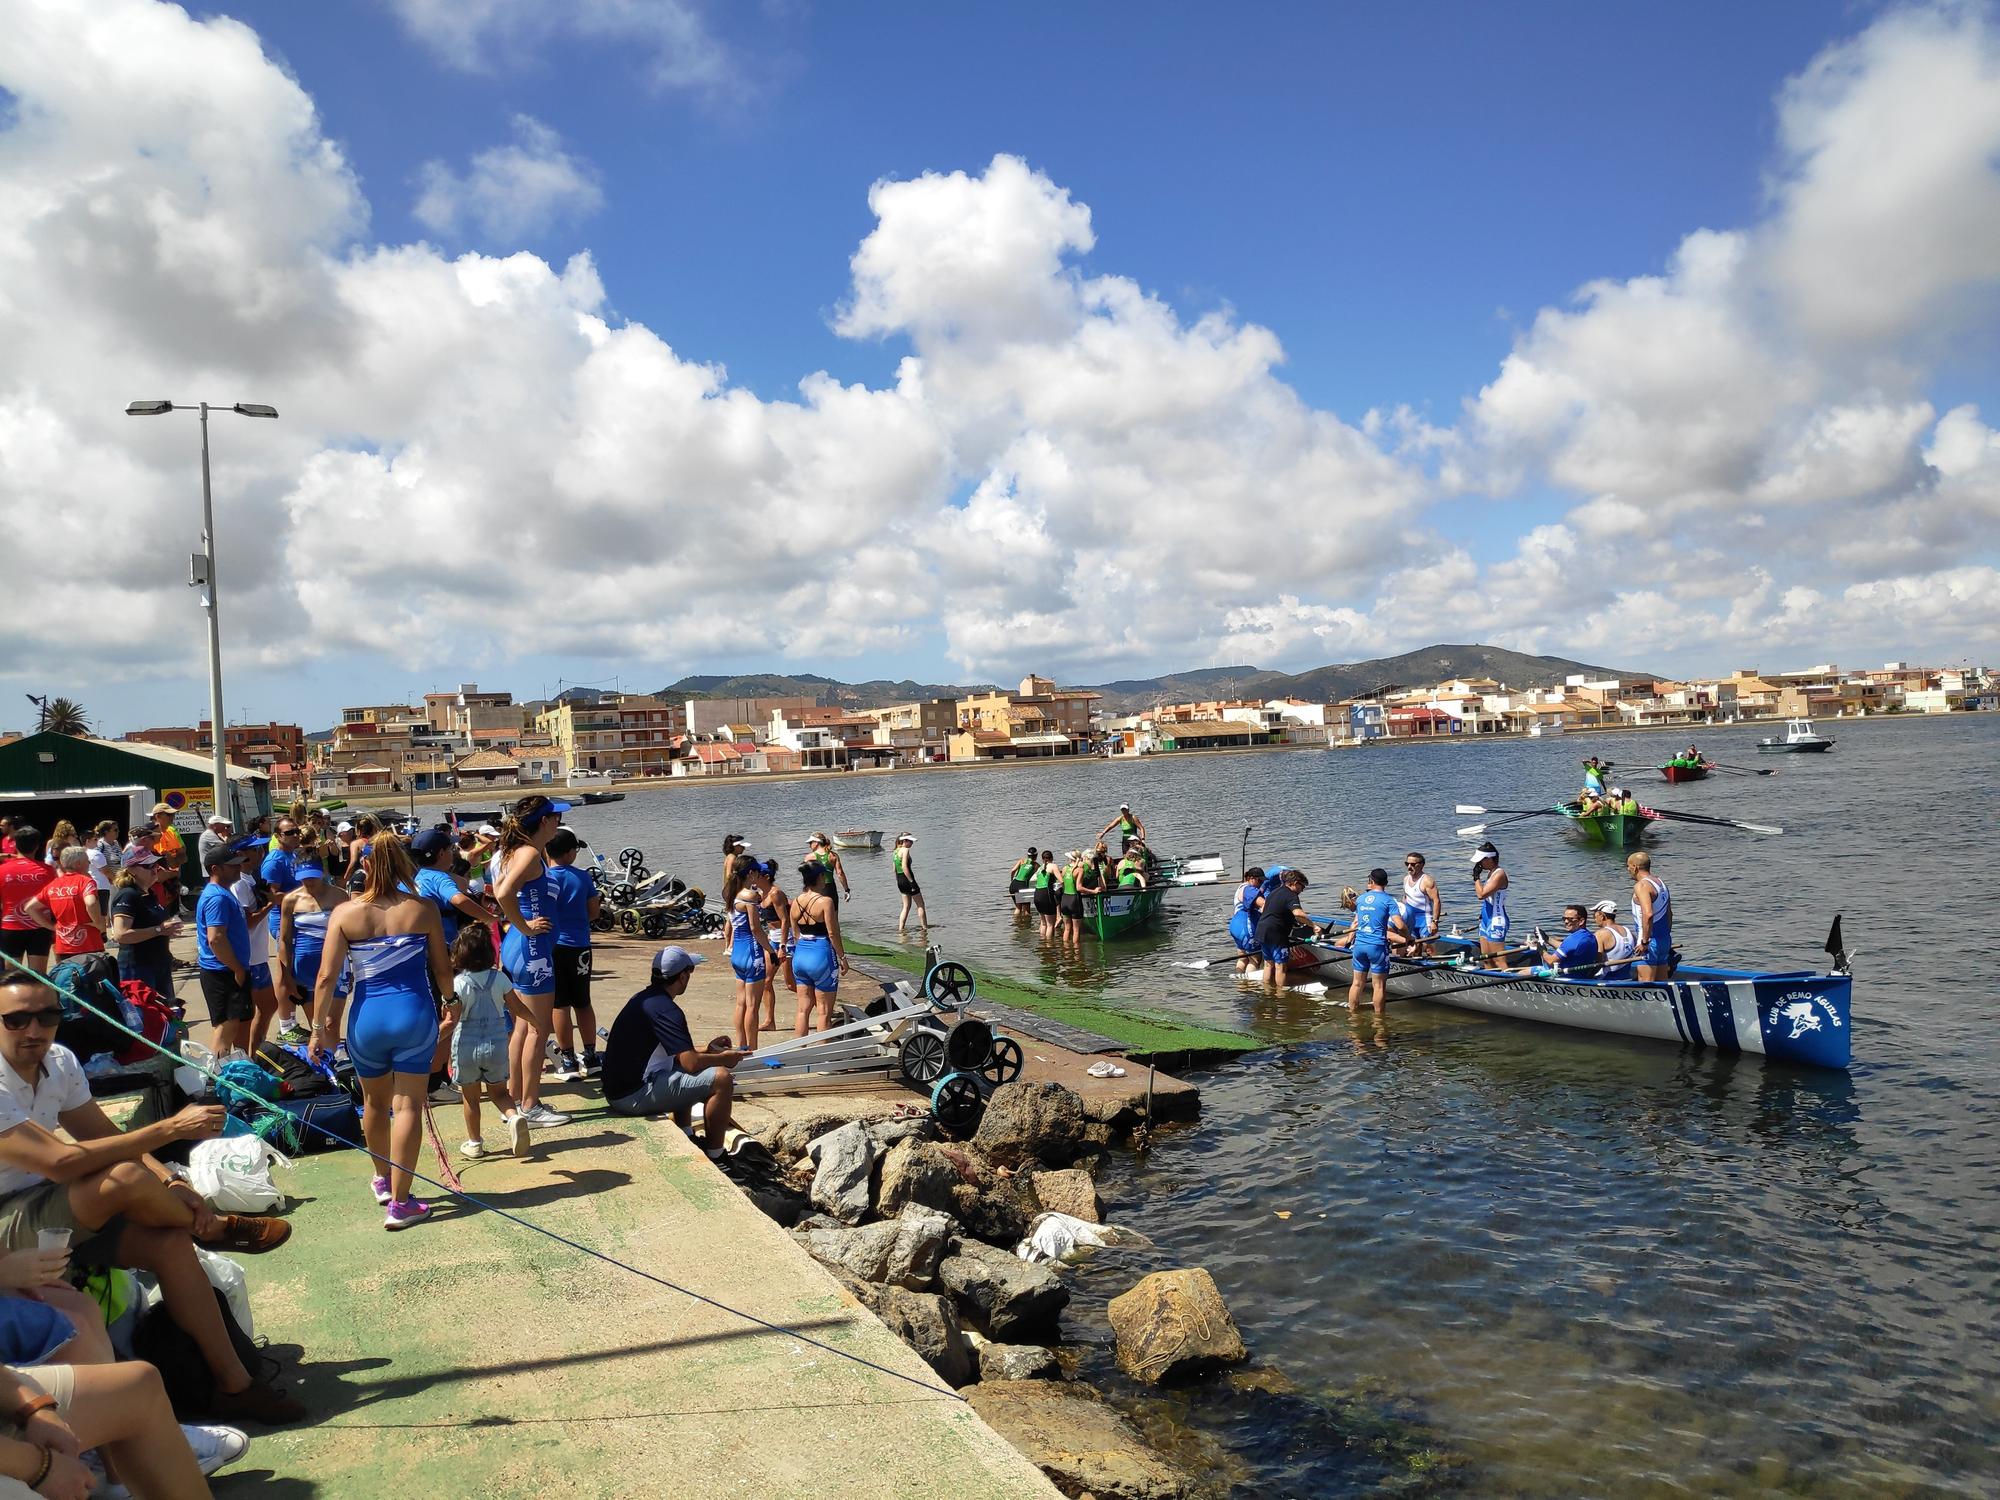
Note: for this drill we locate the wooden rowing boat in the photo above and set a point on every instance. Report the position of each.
(1677, 771)
(1800, 1017)
(858, 838)
(1114, 914)
(1615, 830)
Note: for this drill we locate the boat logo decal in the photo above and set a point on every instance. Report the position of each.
(1798, 1007)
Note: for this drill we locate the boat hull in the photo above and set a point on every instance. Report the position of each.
(1115, 914)
(1787, 1017)
(1678, 774)
(858, 838)
(1793, 747)
(1613, 830)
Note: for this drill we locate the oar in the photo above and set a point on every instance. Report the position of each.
(1484, 982)
(1681, 817)
(1474, 830)
(1716, 765)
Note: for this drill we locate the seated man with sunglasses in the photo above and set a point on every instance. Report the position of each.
(121, 1206)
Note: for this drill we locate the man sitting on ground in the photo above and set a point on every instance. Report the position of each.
(651, 1065)
(122, 1206)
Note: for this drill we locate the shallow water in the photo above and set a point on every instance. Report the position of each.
(1589, 1265)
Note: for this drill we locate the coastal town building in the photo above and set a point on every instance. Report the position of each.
(704, 717)
(919, 733)
(279, 750)
(1040, 719)
(622, 734)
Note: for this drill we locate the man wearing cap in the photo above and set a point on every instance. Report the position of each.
(214, 834)
(576, 907)
(433, 852)
(143, 925)
(1131, 830)
(651, 1065)
(165, 841)
(222, 950)
(1617, 944)
(277, 861)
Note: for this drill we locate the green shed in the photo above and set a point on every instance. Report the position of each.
(45, 778)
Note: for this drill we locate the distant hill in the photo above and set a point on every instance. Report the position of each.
(1322, 684)
(830, 692)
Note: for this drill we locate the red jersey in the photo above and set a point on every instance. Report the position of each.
(64, 896)
(19, 879)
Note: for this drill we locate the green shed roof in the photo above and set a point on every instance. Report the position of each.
(73, 763)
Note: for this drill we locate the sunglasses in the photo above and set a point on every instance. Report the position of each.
(1413, 864)
(21, 1020)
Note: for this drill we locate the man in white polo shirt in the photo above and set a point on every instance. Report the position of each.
(121, 1206)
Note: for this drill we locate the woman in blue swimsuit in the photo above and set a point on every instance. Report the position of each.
(820, 958)
(396, 945)
(749, 949)
(527, 900)
(302, 931)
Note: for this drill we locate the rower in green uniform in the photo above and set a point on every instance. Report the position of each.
(1132, 868)
(1019, 879)
(1071, 905)
(1130, 829)
(904, 861)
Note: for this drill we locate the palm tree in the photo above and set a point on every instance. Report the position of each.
(60, 716)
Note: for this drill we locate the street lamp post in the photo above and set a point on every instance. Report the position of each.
(202, 575)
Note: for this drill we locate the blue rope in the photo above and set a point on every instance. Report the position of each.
(460, 1193)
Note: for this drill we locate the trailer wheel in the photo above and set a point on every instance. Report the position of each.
(921, 1058)
(640, 874)
(968, 1045)
(653, 924)
(948, 986)
(1004, 1066)
(628, 921)
(631, 855)
(957, 1103)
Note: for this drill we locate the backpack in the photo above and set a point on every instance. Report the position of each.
(93, 979)
(168, 1348)
(156, 1019)
(297, 1077)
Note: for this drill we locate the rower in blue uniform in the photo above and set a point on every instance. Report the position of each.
(1593, 777)
(1652, 909)
(1423, 904)
(1489, 884)
(1243, 920)
(1577, 951)
(1616, 944)
(1378, 921)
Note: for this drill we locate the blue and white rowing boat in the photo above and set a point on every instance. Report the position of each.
(1797, 1017)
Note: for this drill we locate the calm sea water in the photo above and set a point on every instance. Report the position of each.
(1584, 1265)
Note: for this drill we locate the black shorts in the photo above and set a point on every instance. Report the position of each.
(1072, 906)
(227, 999)
(36, 942)
(572, 977)
(1045, 901)
(908, 886)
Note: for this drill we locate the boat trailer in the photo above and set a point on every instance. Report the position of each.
(919, 1035)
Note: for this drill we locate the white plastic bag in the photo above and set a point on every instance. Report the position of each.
(1064, 1237)
(199, 1055)
(227, 1277)
(233, 1172)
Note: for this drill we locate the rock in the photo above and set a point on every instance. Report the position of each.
(1010, 1297)
(777, 1202)
(1026, 1122)
(916, 1172)
(1174, 1323)
(993, 1214)
(1079, 1442)
(924, 1321)
(899, 1128)
(844, 1162)
(1017, 1362)
(903, 1250)
(1069, 1191)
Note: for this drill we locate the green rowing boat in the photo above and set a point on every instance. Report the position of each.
(1121, 913)
(1615, 830)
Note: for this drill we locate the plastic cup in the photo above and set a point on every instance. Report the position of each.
(52, 1239)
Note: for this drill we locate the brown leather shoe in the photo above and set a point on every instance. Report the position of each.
(246, 1234)
(259, 1401)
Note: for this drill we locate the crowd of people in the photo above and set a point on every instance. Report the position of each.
(1268, 925)
(1059, 890)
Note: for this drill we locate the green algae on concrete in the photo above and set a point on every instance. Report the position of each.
(1147, 1035)
(473, 1356)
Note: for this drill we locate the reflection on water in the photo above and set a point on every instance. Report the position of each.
(1587, 1265)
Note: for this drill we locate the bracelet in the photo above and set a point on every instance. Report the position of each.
(48, 1463)
(43, 1402)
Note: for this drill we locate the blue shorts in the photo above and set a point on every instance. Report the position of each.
(260, 976)
(1494, 931)
(814, 965)
(1242, 931)
(1276, 953)
(530, 962)
(666, 1091)
(392, 1031)
(1371, 958)
(1659, 949)
(747, 959)
(1421, 923)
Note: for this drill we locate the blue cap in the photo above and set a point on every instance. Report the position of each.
(558, 807)
(309, 870)
(250, 841)
(431, 842)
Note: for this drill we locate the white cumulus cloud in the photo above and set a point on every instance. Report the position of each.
(680, 49)
(511, 192)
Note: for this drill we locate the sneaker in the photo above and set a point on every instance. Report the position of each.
(517, 1133)
(215, 1447)
(472, 1150)
(567, 1067)
(381, 1190)
(260, 1401)
(593, 1062)
(401, 1213)
(444, 1093)
(542, 1116)
(293, 1035)
(245, 1234)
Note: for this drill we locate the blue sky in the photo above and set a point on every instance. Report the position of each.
(1395, 192)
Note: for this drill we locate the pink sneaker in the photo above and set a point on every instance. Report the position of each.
(381, 1190)
(403, 1212)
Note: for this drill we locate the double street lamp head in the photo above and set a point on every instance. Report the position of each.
(160, 408)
